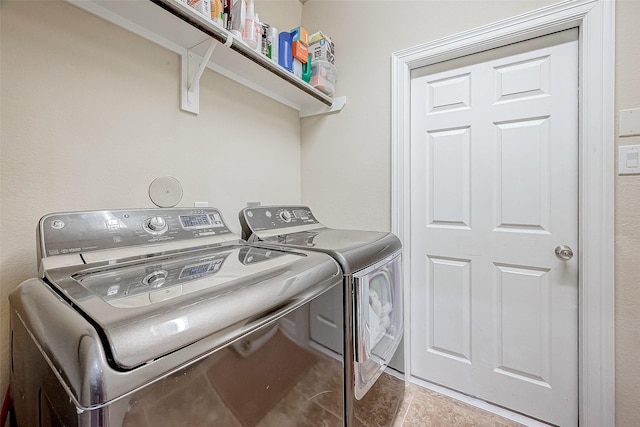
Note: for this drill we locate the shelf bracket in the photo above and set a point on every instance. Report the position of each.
(337, 106)
(193, 66)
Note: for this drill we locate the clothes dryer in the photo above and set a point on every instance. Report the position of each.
(366, 313)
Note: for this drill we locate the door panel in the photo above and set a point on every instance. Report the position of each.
(523, 308)
(494, 184)
(522, 175)
(449, 190)
(450, 306)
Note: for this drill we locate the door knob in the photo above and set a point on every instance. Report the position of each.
(564, 252)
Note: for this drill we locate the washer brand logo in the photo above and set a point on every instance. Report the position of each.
(57, 224)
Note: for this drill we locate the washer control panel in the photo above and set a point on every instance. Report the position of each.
(78, 232)
(263, 218)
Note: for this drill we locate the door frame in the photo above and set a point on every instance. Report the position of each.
(596, 316)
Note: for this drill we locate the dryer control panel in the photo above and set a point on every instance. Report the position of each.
(263, 218)
(81, 232)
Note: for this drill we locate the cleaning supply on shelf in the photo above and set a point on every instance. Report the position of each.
(202, 6)
(296, 68)
(306, 69)
(300, 34)
(323, 76)
(265, 46)
(272, 37)
(321, 47)
(285, 56)
(238, 16)
(299, 50)
(258, 34)
(226, 10)
(217, 13)
(300, 56)
(251, 27)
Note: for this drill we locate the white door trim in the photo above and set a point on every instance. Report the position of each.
(596, 21)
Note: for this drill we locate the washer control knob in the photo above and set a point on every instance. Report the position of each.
(156, 225)
(156, 279)
(285, 216)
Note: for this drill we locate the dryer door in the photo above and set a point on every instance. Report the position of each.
(378, 319)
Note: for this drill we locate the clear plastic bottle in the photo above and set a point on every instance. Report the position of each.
(251, 28)
(238, 16)
(258, 34)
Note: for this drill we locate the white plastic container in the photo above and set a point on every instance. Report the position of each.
(323, 76)
(272, 35)
(297, 68)
(251, 29)
(238, 16)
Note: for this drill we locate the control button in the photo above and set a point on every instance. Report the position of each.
(285, 216)
(155, 225)
(268, 214)
(113, 224)
(156, 279)
(216, 220)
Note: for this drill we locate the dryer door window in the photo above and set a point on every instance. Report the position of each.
(378, 321)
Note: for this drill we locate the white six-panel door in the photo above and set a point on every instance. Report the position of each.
(494, 190)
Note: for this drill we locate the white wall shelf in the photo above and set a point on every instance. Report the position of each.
(180, 28)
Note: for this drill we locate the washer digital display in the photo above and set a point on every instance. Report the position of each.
(197, 269)
(195, 221)
(194, 270)
(301, 214)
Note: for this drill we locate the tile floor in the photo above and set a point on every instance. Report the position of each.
(423, 407)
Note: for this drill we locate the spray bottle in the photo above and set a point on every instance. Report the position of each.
(238, 16)
(251, 27)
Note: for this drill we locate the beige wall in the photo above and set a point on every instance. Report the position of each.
(627, 205)
(346, 158)
(282, 14)
(90, 116)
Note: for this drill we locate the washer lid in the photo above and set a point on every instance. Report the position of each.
(147, 308)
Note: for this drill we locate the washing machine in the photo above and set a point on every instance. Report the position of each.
(364, 317)
(149, 317)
